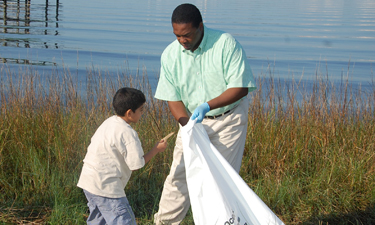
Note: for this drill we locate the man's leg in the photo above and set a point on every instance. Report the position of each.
(174, 202)
(228, 135)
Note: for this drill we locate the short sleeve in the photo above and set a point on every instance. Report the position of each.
(166, 89)
(238, 70)
(132, 151)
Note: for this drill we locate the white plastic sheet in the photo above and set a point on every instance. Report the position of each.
(217, 193)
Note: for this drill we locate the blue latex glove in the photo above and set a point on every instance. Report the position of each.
(200, 112)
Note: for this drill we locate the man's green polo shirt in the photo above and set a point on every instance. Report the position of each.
(196, 77)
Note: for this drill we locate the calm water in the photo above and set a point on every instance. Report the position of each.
(293, 37)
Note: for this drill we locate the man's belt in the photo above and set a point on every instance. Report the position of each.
(216, 116)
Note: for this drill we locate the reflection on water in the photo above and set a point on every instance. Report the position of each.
(27, 62)
(294, 38)
(20, 21)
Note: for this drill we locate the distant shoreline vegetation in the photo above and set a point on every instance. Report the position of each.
(309, 153)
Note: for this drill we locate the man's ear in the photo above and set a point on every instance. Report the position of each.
(201, 26)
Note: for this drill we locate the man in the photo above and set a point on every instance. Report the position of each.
(204, 72)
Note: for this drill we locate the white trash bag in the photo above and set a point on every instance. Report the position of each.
(217, 193)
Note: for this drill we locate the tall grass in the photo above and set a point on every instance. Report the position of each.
(309, 153)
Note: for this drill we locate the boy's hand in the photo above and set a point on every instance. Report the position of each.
(161, 145)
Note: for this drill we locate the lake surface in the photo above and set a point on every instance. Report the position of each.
(290, 38)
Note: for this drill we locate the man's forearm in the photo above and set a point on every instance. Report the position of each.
(179, 112)
(228, 97)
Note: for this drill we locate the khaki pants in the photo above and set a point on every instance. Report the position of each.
(228, 134)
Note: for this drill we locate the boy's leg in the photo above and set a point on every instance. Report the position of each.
(95, 216)
(118, 211)
(114, 210)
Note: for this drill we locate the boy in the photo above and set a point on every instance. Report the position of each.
(114, 152)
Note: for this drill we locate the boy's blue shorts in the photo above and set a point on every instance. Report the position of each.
(109, 211)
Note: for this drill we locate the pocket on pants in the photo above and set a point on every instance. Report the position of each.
(124, 215)
(121, 210)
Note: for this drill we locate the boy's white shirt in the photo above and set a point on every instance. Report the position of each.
(115, 150)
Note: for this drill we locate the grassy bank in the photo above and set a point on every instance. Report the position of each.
(309, 153)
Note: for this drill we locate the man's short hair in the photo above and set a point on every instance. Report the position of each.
(127, 98)
(187, 13)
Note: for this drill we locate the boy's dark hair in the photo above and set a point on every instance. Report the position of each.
(127, 98)
(187, 13)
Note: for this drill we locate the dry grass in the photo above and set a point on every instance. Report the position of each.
(309, 152)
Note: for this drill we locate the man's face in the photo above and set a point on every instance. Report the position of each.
(188, 36)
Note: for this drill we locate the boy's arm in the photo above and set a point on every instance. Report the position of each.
(158, 147)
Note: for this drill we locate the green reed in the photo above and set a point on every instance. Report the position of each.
(309, 153)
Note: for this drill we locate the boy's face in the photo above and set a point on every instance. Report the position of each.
(138, 113)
